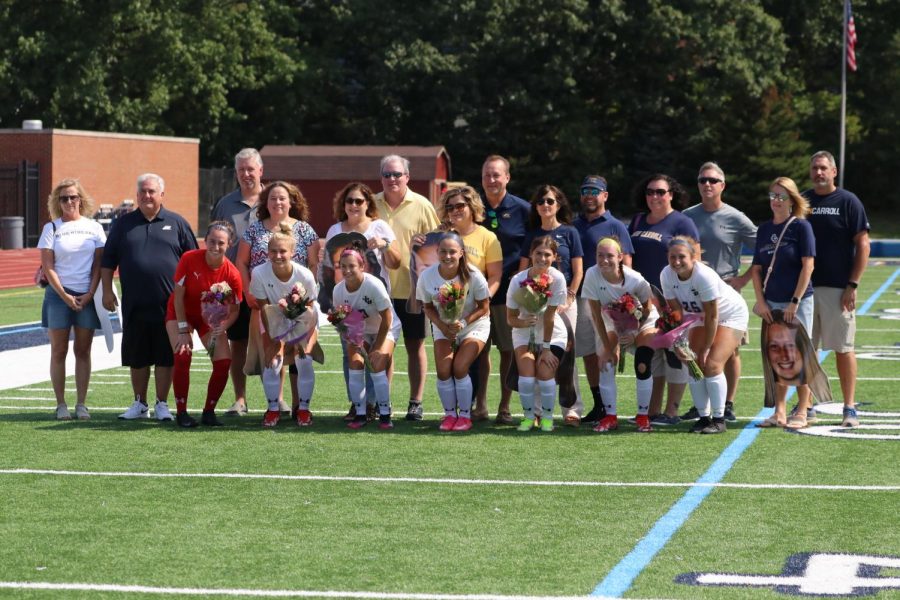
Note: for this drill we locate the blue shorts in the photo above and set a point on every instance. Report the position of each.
(56, 314)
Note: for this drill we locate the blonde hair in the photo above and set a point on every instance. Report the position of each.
(86, 204)
(284, 234)
(686, 240)
(469, 195)
(799, 204)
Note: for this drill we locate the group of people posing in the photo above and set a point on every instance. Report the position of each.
(522, 275)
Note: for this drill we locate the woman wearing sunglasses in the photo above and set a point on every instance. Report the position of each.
(659, 199)
(550, 216)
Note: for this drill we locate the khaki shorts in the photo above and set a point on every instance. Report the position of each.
(833, 328)
(585, 333)
(659, 367)
(501, 332)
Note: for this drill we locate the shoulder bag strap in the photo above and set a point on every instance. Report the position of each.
(775, 252)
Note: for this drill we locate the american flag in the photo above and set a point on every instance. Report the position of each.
(851, 39)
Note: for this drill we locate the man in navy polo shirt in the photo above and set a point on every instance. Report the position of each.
(593, 224)
(507, 216)
(146, 245)
(841, 228)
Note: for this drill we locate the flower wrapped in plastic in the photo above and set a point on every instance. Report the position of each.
(214, 308)
(626, 314)
(351, 325)
(533, 295)
(292, 319)
(673, 328)
(449, 302)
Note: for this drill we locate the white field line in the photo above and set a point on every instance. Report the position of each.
(143, 589)
(449, 481)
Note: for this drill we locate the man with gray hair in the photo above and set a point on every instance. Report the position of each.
(239, 209)
(146, 245)
(724, 230)
(408, 214)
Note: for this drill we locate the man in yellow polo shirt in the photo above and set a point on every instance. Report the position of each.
(408, 213)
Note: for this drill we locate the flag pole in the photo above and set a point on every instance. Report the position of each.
(843, 98)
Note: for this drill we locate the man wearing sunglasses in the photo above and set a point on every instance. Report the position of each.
(408, 213)
(593, 224)
(841, 228)
(724, 230)
(507, 216)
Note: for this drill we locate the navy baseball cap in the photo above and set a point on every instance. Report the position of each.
(594, 181)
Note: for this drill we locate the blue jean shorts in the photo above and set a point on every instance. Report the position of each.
(56, 314)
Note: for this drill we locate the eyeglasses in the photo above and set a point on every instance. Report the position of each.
(588, 191)
(457, 206)
(777, 197)
(655, 192)
(548, 201)
(355, 201)
(392, 174)
(69, 198)
(709, 180)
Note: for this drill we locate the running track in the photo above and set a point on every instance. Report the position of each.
(17, 267)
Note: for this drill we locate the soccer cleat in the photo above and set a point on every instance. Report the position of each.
(663, 419)
(463, 424)
(414, 411)
(384, 422)
(185, 420)
(526, 425)
(850, 417)
(643, 424)
(371, 412)
(607, 423)
(62, 413)
(358, 422)
(729, 412)
(137, 410)
(546, 424)
(700, 425)
(209, 419)
(161, 411)
(271, 418)
(238, 409)
(351, 414)
(81, 412)
(595, 415)
(304, 418)
(691, 415)
(447, 423)
(717, 425)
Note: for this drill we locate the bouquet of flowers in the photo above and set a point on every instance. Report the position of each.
(626, 314)
(533, 295)
(351, 325)
(214, 304)
(292, 319)
(449, 302)
(673, 329)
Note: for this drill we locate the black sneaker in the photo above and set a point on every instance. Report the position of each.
(595, 415)
(716, 426)
(414, 412)
(691, 414)
(664, 419)
(185, 420)
(729, 412)
(209, 419)
(701, 424)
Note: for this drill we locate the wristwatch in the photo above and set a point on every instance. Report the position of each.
(795, 300)
(545, 345)
(182, 327)
(463, 324)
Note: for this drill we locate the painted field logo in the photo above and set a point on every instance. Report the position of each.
(878, 425)
(810, 574)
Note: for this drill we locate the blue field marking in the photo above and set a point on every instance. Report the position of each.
(620, 578)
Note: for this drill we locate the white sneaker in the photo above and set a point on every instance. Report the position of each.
(81, 412)
(161, 410)
(283, 407)
(138, 410)
(62, 413)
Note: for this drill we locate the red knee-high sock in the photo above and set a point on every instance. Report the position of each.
(181, 380)
(217, 382)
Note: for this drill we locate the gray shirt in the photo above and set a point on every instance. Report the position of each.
(722, 234)
(232, 208)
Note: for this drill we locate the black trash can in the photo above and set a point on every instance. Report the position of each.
(12, 230)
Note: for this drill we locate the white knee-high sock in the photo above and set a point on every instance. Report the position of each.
(608, 389)
(464, 396)
(547, 388)
(382, 392)
(356, 382)
(271, 380)
(306, 380)
(447, 393)
(716, 387)
(526, 395)
(700, 396)
(644, 389)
